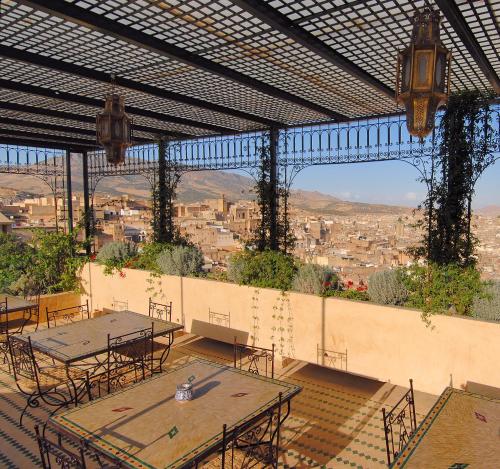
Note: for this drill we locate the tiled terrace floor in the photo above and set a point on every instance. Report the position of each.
(335, 421)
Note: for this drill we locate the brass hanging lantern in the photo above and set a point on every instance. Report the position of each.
(114, 128)
(423, 73)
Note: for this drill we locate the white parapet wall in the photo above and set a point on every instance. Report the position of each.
(381, 342)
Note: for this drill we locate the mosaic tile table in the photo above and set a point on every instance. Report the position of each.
(462, 430)
(89, 338)
(144, 426)
(16, 303)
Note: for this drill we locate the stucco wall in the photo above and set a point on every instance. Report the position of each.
(389, 344)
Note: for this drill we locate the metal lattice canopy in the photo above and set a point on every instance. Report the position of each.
(200, 68)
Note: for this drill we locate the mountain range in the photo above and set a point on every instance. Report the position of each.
(196, 186)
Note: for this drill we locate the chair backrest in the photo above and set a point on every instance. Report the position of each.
(59, 317)
(118, 305)
(4, 318)
(22, 359)
(257, 360)
(400, 423)
(62, 457)
(160, 311)
(129, 360)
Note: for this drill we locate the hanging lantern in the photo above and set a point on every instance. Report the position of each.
(423, 73)
(114, 129)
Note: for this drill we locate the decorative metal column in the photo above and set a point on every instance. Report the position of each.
(273, 193)
(69, 192)
(86, 202)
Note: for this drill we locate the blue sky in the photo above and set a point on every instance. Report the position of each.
(387, 182)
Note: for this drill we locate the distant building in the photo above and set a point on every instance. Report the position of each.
(5, 224)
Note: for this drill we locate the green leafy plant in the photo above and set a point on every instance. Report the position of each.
(15, 260)
(488, 306)
(387, 287)
(443, 289)
(348, 294)
(181, 260)
(267, 269)
(315, 279)
(148, 256)
(115, 255)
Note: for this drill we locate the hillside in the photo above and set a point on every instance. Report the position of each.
(197, 186)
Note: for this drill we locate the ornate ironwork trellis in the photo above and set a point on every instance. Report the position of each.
(45, 164)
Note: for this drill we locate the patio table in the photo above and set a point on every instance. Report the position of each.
(460, 431)
(88, 338)
(17, 304)
(144, 426)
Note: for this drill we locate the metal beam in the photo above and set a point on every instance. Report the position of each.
(65, 67)
(68, 141)
(71, 12)
(32, 142)
(86, 203)
(60, 128)
(77, 99)
(458, 23)
(69, 192)
(81, 118)
(283, 24)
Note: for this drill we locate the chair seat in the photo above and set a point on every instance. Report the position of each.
(53, 376)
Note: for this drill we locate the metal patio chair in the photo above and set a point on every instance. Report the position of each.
(54, 385)
(60, 317)
(129, 359)
(160, 311)
(400, 423)
(257, 360)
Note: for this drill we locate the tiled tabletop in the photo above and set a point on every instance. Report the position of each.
(461, 431)
(82, 339)
(145, 426)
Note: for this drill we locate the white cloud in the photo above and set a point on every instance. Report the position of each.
(411, 196)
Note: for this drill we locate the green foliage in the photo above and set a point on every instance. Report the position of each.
(57, 265)
(437, 289)
(315, 279)
(148, 256)
(115, 255)
(15, 260)
(267, 269)
(387, 287)
(163, 196)
(348, 294)
(488, 306)
(468, 140)
(271, 193)
(50, 265)
(181, 260)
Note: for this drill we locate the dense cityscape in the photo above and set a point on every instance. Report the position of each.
(355, 244)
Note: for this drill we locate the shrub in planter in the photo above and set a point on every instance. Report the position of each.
(315, 279)
(489, 306)
(267, 269)
(181, 260)
(148, 256)
(387, 287)
(115, 255)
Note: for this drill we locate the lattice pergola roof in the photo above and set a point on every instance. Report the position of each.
(206, 67)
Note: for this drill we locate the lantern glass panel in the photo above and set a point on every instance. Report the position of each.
(406, 71)
(439, 74)
(422, 76)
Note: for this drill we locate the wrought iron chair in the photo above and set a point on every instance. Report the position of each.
(129, 360)
(55, 385)
(160, 311)
(59, 317)
(162, 350)
(34, 319)
(4, 333)
(257, 360)
(63, 457)
(400, 423)
(118, 305)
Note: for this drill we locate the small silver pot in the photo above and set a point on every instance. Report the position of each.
(184, 392)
